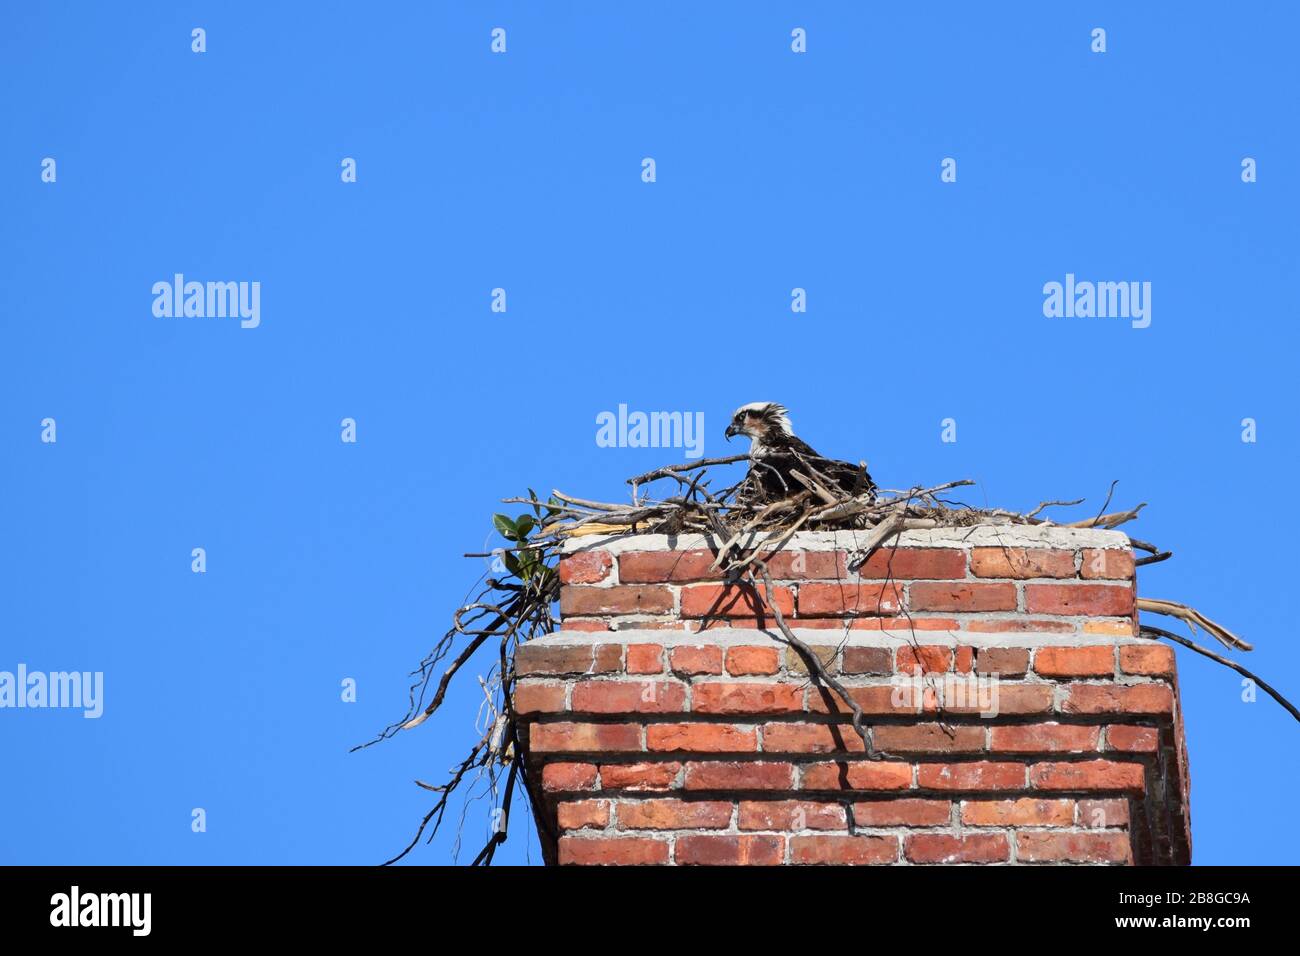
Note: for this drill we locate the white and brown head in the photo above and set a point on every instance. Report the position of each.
(759, 421)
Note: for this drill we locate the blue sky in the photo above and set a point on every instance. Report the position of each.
(522, 171)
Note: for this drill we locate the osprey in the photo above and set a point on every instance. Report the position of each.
(778, 454)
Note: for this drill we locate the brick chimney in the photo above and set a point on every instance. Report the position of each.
(1020, 717)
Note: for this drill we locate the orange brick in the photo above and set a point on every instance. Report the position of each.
(858, 775)
(1095, 661)
(1151, 660)
(929, 657)
(810, 739)
(1132, 739)
(628, 697)
(791, 815)
(928, 738)
(823, 600)
(1087, 775)
(718, 697)
(645, 659)
(910, 564)
(1021, 563)
(669, 814)
(585, 567)
(978, 775)
(843, 850)
(1073, 848)
(701, 659)
(1110, 563)
(639, 776)
(662, 567)
(1024, 812)
(560, 777)
(1048, 738)
(1103, 813)
(1099, 600)
(701, 738)
(611, 851)
(1117, 699)
(744, 661)
(580, 814)
(532, 697)
(583, 738)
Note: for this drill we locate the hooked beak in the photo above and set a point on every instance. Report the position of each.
(731, 431)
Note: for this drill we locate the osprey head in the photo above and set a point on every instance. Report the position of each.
(758, 420)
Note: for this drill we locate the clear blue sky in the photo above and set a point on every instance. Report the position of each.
(523, 171)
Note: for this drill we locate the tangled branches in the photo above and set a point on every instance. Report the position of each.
(745, 529)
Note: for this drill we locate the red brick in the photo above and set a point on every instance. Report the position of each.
(628, 697)
(534, 657)
(701, 659)
(791, 815)
(662, 567)
(1111, 563)
(1103, 813)
(868, 660)
(804, 565)
(1073, 848)
(946, 848)
(1095, 661)
(1010, 699)
(902, 813)
(585, 625)
(1094, 600)
(583, 738)
(843, 850)
(810, 739)
(1118, 699)
(701, 738)
(910, 564)
(743, 850)
(532, 697)
(645, 659)
(668, 814)
(833, 600)
(578, 601)
(928, 738)
(611, 851)
(580, 814)
(585, 567)
(1024, 812)
(717, 697)
(1048, 738)
(739, 775)
(929, 657)
(1151, 660)
(1088, 775)
(638, 776)
(979, 775)
(608, 659)
(1132, 739)
(858, 775)
(934, 596)
(1004, 661)
(561, 777)
(963, 661)
(881, 699)
(733, 600)
(743, 661)
(1021, 563)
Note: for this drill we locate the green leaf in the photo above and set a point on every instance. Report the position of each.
(512, 564)
(537, 508)
(505, 526)
(552, 500)
(523, 525)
